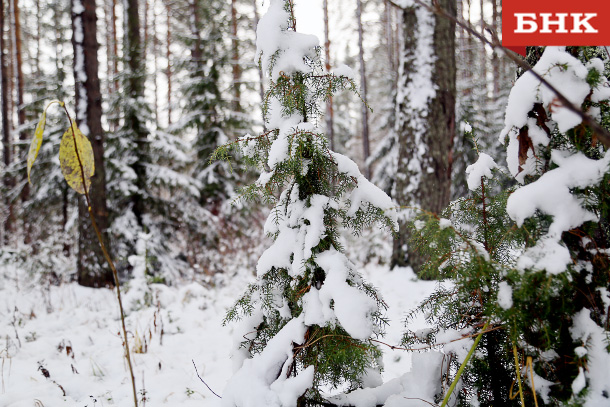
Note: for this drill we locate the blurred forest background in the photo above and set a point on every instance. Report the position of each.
(157, 85)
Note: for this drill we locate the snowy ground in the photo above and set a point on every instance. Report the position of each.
(72, 332)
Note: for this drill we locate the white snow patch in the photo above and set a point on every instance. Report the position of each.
(505, 295)
(482, 168)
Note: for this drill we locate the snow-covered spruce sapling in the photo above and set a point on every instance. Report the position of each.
(471, 244)
(532, 259)
(309, 318)
(77, 166)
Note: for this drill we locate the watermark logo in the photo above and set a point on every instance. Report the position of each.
(554, 22)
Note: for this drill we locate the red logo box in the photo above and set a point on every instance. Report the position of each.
(555, 22)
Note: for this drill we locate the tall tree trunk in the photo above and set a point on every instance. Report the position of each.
(12, 77)
(169, 66)
(38, 36)
(495, 58)
(329, 104)
(196, 54)
(261, 81)
(7, 147)
(484, 58)
(155, 52)
(145, 29)
(109, 47)
(19, 72)
(23, 135)
(135, 89)
(389, 36)
(235, 58)
(425, 130)
(363, 90)
(115, 45)
(112, 59)
(92, 268)
(10, 63)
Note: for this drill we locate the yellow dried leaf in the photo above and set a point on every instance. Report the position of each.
(68, 159)
(37, 140)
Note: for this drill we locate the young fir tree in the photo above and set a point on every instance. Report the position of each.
(148, 180)
(309, 317)
(531, 262)
(208, 122)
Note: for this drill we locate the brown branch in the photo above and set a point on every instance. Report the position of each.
(393, 347)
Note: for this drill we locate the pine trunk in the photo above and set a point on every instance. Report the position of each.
(425, 136)
(196, 55)
(329, 104)
(92, 268)
(495, 58)
(23, 135)
(7, 146)
(364, 110)
(135, 89)
(261, 80)
(115, 47)
(389, 37)
(169, 66)
(236, 66)
(155, 52)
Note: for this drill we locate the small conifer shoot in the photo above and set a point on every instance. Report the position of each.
(308, 320)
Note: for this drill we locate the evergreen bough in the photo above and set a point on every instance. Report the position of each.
(531, 260)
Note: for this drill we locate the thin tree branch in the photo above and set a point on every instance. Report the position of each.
(434, 345)
(203, 381)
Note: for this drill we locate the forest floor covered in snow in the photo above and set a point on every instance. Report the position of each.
(72, 335)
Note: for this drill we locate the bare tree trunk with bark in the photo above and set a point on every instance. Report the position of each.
(425, 132)
(155, 51)
(168, 72)
(135, 88)
(93, 270)
(495, 58)
(23, 135)
(363, 91)
(329, 104)
(235, 59)
(7, 147)
(261, 81)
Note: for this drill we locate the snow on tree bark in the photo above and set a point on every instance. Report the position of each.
(425, 118)
(134, 89)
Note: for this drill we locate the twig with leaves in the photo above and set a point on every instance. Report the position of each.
(77, 166)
